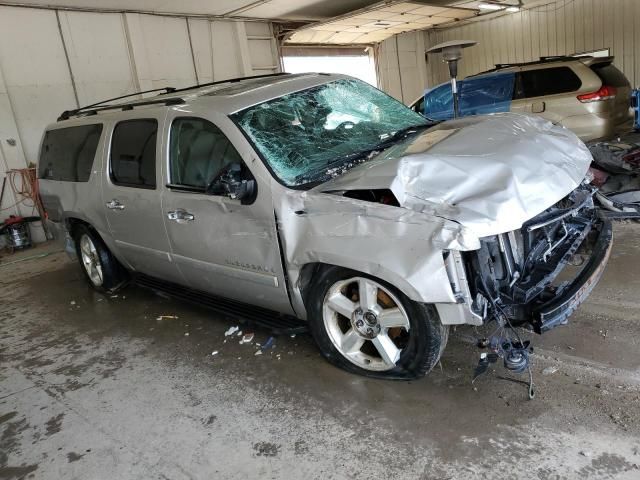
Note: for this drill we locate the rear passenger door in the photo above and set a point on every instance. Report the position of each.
(222, 245)
(131, 196)
(549, 91)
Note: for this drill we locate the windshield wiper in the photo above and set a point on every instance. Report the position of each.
(384, 144)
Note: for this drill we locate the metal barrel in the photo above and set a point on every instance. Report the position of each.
(18, 236)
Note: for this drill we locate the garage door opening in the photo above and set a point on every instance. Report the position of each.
(357, 62)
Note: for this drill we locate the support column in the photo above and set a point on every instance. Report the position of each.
(137, 53)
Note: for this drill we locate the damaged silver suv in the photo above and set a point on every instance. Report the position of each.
(318, 197)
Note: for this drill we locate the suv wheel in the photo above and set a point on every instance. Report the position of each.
(367, 326)
(99, 266)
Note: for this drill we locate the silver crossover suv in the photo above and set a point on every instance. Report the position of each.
(317, 197)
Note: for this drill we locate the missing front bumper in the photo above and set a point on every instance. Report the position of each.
(558, 310)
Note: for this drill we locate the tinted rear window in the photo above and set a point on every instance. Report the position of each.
(610, 75)
(547, 81)
(67, 153)
(133, 153)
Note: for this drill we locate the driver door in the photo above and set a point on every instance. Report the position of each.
(223, 246)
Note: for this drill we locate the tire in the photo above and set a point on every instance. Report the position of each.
(414, 329)
(100, 268)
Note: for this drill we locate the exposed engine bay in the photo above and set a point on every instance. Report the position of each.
(536, 276)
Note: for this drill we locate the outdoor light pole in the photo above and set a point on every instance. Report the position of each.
(451, 53)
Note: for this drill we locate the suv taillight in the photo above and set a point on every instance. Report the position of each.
(605, 93)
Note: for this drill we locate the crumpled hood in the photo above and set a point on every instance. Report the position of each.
(490, 173)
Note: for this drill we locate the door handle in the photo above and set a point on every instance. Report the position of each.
(114, 205)
(180, 216)
(538, 107)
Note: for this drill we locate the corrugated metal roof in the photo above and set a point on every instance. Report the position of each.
(379, 22)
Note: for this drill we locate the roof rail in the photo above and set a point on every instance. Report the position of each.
(92, 110)
(229, 80)
(71, 113)
(123, 106)
(542, 60)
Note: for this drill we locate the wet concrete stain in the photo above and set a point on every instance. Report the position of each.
(266, 449)
(74, 457)
(10, 438)
(18, 473)
(10, 434)
(54, 425)
(209, 420)
(7, 416)
(300, 447)
(607, 465)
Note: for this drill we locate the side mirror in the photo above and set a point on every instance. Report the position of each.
(231, 184)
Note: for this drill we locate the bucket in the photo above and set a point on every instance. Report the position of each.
(18, 236)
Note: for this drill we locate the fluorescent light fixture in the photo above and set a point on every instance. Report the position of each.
(494, 6)
(490, 6)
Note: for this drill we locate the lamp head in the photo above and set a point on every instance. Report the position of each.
(452, 51)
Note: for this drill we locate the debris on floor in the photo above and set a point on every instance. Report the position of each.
(270, 343)
(231, 331)
(514, 352)
(167, 317)
(247, 338)
(549, 370)
(616, 157)
(215, 352)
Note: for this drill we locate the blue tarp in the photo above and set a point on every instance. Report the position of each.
(635, 102)
(478, 96)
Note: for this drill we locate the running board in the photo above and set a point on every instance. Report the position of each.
(251, 315)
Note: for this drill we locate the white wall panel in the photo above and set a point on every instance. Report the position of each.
(166, 46)
(561, 28)
(98, 53)
(107, 55)
(35, 73)
(226, 54)
(200, 31)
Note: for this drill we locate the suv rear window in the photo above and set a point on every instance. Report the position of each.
(546, 81)
(610, 75)
(67, 153)
(133, 153)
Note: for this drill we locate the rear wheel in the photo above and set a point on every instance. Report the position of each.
(367, 326)
(101, 269)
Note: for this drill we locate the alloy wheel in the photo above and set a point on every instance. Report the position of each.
(90, 260)
(366, 323)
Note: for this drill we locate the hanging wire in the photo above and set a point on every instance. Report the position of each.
(564, 4)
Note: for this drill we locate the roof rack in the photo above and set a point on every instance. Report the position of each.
(230, 80)
(549, 59)
(90, 110)
(125, 106)
(96, 107)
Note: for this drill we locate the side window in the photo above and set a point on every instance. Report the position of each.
(198, 152)
(67, 154)
(418, 106)
(546, 81)
(133, 153)
(487, 94)
(438, 103)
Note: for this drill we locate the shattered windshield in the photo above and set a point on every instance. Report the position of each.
(310, 135)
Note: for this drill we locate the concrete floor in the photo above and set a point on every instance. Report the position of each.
(94, 387)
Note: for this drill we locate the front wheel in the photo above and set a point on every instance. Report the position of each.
(366, 326)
